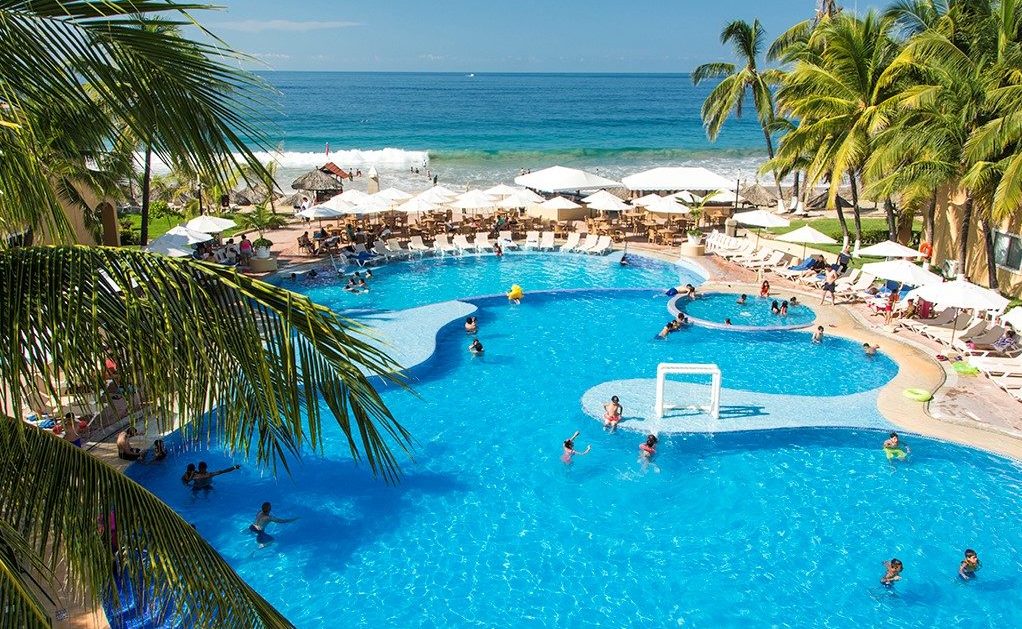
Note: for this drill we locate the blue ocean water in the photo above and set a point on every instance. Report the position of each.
(486, 127)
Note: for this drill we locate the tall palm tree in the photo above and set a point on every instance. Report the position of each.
(188, 335)
(730, 94)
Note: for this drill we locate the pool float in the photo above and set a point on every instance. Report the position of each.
(963, 368)
(516, 293)
(895, 453)
(919, 395)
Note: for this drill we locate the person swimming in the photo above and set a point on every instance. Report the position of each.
(727, 321)
(784, 309)
(624, 259)
(774, 308)
(647, 449)
(967, 569)
(818, 334)
(612, 413)
(362, 286)
(476, 347)
(189, 473)
(894, 449)
(569, 449)
(471, 325)
(351, 286)
(262, 520)
(742, 299)
(870, 350)
(894, 568)
(203, 478)
(669, 327)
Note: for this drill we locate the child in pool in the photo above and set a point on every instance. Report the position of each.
(774, 308)
(870, 350)
(793, 301)
(893, 448)
(727, 321)
(784, 309)
(647, 449)
(818, 335)
(742, 299)
(612, 413)
(894, 568)
(967, 569)
(570, 451)
(476, 347)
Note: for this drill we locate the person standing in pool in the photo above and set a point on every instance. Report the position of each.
(894, 568)
(894, 449)
(818, 334)
(612, 413)
(774, 308)
(647, 450)
(741, 300)
(476, 348)
(189, 474)
(784, 309)
(262, 520)
(967, 569)
(471, 325)
(870, 350)
(203, 478)
(569, 449)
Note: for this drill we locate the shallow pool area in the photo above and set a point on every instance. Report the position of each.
(714, 309)
(740, 526)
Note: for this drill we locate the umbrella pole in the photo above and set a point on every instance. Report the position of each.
(954, 328)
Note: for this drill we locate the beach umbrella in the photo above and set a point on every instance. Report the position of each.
(559, 203)
(761, 219)
(676, 178)
(317, 181)
(353, 197)
(172, 245)
(646, 200)
(437, 194)
(500, 190)
(959, 294)
(210, 224)
(667, 205)
(394, 194)
(473, 200)
(416, 205)
(888, 249)
(337, 203)
(686, 197)
(807, 236)
(605, 202)
(1014, 317)
(321, 212)
(371, 205)
(193, 236)
(901, 271)
(520, 198)
(562, 179)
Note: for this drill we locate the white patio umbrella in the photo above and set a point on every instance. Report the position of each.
(806, 235)
(193, 236)
(901, 271)
(520, 198)
(320, 212)
(352, 196)
(394, 194)
(473, 200)
(437, 194)
(416, 205)
(561, 179)
(606, 202)
(686, 197)
(761, 219)
(372, 205)
(559, 203)
(210, 224)
(501, 190)
(338, 203)
(668, 205)
(173, 245)
(888, 249)
(959, 294)
(1014, 317)
(646, 200)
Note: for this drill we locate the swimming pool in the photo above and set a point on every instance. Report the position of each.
(489, 528)
(713, 309)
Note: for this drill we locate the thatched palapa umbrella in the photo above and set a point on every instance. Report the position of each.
(759, 196)
(319, 183)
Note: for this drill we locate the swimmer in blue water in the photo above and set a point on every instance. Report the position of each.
(894, 568)
(967, 569)
(203, 478)
(741, 300)
(262, 520)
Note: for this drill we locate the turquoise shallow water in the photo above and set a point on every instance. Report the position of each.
(755, 312)
(489, 528)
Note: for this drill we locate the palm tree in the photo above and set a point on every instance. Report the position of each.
(189, 336)
(730, 94)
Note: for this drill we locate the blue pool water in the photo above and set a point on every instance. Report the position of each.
(489, 528)
(755, 312)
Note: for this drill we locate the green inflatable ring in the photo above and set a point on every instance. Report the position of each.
(965, 368)
(919, 395)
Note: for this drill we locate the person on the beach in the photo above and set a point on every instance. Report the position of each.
(476, 347)
(784, 309)
(612, 413)
(774, 308)
(125, 450)
(894, 568)
(742, 299)
(570, 451)
(818, 334)
(893, 448)
(910, 311)
(967, 569)
(471, 325)
(829, 286)
(203, 478)
(262, 520)
(764, 289)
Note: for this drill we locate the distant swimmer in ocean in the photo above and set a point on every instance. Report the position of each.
(894, 449)
(262, 520)
(569, 449)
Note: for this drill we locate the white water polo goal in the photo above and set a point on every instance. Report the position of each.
(665, 369)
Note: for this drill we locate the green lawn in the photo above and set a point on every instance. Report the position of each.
(160, 226)
(873, 229)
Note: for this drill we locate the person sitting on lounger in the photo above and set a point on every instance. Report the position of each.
(125, 450)
(910, 311)
(1007, 342)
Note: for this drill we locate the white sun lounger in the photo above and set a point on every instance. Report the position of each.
(394, 245)
(943, 317)
(944, 335)
(506, 241)
(770, 261)
(745, 250)
(993, 366)
(1008, 383)
(443, 245)
(482, 242)
(415, 244)
(571, 243)
(546, 241)
(587, 244)
(603, 246)
(531, 240)
(462, 244)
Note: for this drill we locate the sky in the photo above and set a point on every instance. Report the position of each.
(486, 36)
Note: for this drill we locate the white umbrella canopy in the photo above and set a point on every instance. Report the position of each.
(437, 194)
(321, 212)
(193, 236)
(1014, 317)
(686, 197)
(520, 198)
(372, 205)
(173, 245)
(416, 205)
(559, 203)
(605, 201)
(676, 178)
(560, 179)
(962, 293)
(354, 197)
(901, 271)
(646, 200)
(473, 200)
(337, 203)
(761, 218)
(500, 190)
(210, 224)
(668, 205)
(888, 249)
(807, 235)
(724, 196)
(394, 194)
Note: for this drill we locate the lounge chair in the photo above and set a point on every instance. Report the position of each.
(748, 255)
(415, 244)
(506, 241)
(805, 266)
(442, 245)
(394, 247)
(959, 324)
(587, 244)
(603, 246)
(546, 241)
(945, 335)
(1008, 383)
(481, 242)
(994, 366)
(944, 317)
(985, 337)
(571, 243)
(739, 250)
(531, 240)
(461, 243)
(770, 261)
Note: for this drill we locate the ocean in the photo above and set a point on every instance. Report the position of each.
(478, 130)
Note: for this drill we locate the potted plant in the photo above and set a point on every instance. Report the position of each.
(262, 246)
(694, 233)
(260, 220)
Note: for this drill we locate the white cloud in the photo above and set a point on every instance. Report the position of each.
(270, 55)
(431, 57)
(289, 26)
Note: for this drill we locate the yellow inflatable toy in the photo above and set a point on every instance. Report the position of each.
(516, 293)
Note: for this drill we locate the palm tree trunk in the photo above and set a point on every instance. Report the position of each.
(795, 190)
(855, 209)
(844, 226)
(770, 154)
(928, 217)
(892, 219)
(988, 242)
(963, 234)
(147, 175)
